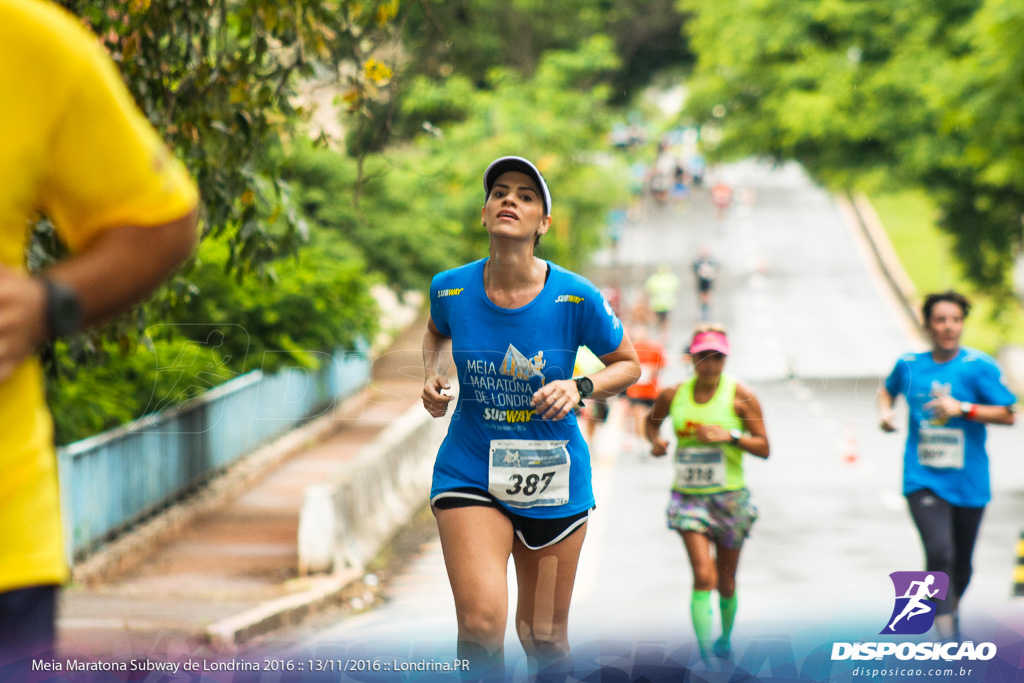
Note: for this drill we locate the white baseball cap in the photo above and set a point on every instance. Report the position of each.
(513, 163)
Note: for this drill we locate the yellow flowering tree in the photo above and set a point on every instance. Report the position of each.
(219, 78)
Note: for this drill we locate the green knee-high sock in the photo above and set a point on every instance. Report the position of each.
(700, 612)
(728, 608)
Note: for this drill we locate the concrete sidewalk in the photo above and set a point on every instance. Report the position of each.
(230, 573)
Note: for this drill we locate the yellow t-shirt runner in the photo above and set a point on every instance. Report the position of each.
(74, 147)
(661, 289)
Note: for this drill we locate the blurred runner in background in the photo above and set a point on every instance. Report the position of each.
(613, 295)
(662, 287)
(640, 312)
(641, 395)
(716, 420)
(705, 271)
(721, 198)
(952, 392)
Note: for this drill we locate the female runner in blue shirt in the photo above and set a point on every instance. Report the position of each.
(952, 392)
(512, 477)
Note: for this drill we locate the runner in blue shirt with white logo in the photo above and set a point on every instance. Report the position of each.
(512, 477)
(952, 392)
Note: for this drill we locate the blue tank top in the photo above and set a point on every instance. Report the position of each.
(496, 442)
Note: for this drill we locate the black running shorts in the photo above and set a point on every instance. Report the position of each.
(533, 532)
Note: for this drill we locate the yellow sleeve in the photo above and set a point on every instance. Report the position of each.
(106, 166)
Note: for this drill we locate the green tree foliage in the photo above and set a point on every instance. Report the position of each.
(419, 208)
(296, 233)
(646, 34)
(317, 302)
(980, 183)
(217, 78)
(877, 95)
(470, 37)
(559, 118)
(94, 397)
(396, 239)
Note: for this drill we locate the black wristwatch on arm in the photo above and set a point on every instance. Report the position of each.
(63, 309)
(586, 388)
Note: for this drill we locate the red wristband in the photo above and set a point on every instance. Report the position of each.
(972, 412)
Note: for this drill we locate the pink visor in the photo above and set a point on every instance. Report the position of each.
(710, 341)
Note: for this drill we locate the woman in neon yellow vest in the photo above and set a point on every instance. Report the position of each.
(716, 419)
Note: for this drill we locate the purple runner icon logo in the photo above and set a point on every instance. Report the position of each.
(914, 612)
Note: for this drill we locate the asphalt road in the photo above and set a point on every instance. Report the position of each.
(813, 330)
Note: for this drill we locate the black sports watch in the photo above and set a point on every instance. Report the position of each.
(63, 309)
(585, 387)
(735, 435)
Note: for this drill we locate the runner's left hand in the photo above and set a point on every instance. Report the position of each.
(555, 400)
(943, 407)
(712, 434)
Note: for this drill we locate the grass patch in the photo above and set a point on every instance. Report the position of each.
(928, 256)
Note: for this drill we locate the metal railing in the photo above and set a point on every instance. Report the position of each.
(113, 480)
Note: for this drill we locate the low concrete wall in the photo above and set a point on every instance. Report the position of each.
(902, 287)
(344, 523)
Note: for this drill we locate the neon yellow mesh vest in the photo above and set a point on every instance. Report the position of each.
(706, 468)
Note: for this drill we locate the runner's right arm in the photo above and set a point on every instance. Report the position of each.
(885, 402)
(652, 426)
(436, 357)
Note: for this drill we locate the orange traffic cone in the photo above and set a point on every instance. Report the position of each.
(849, 447)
